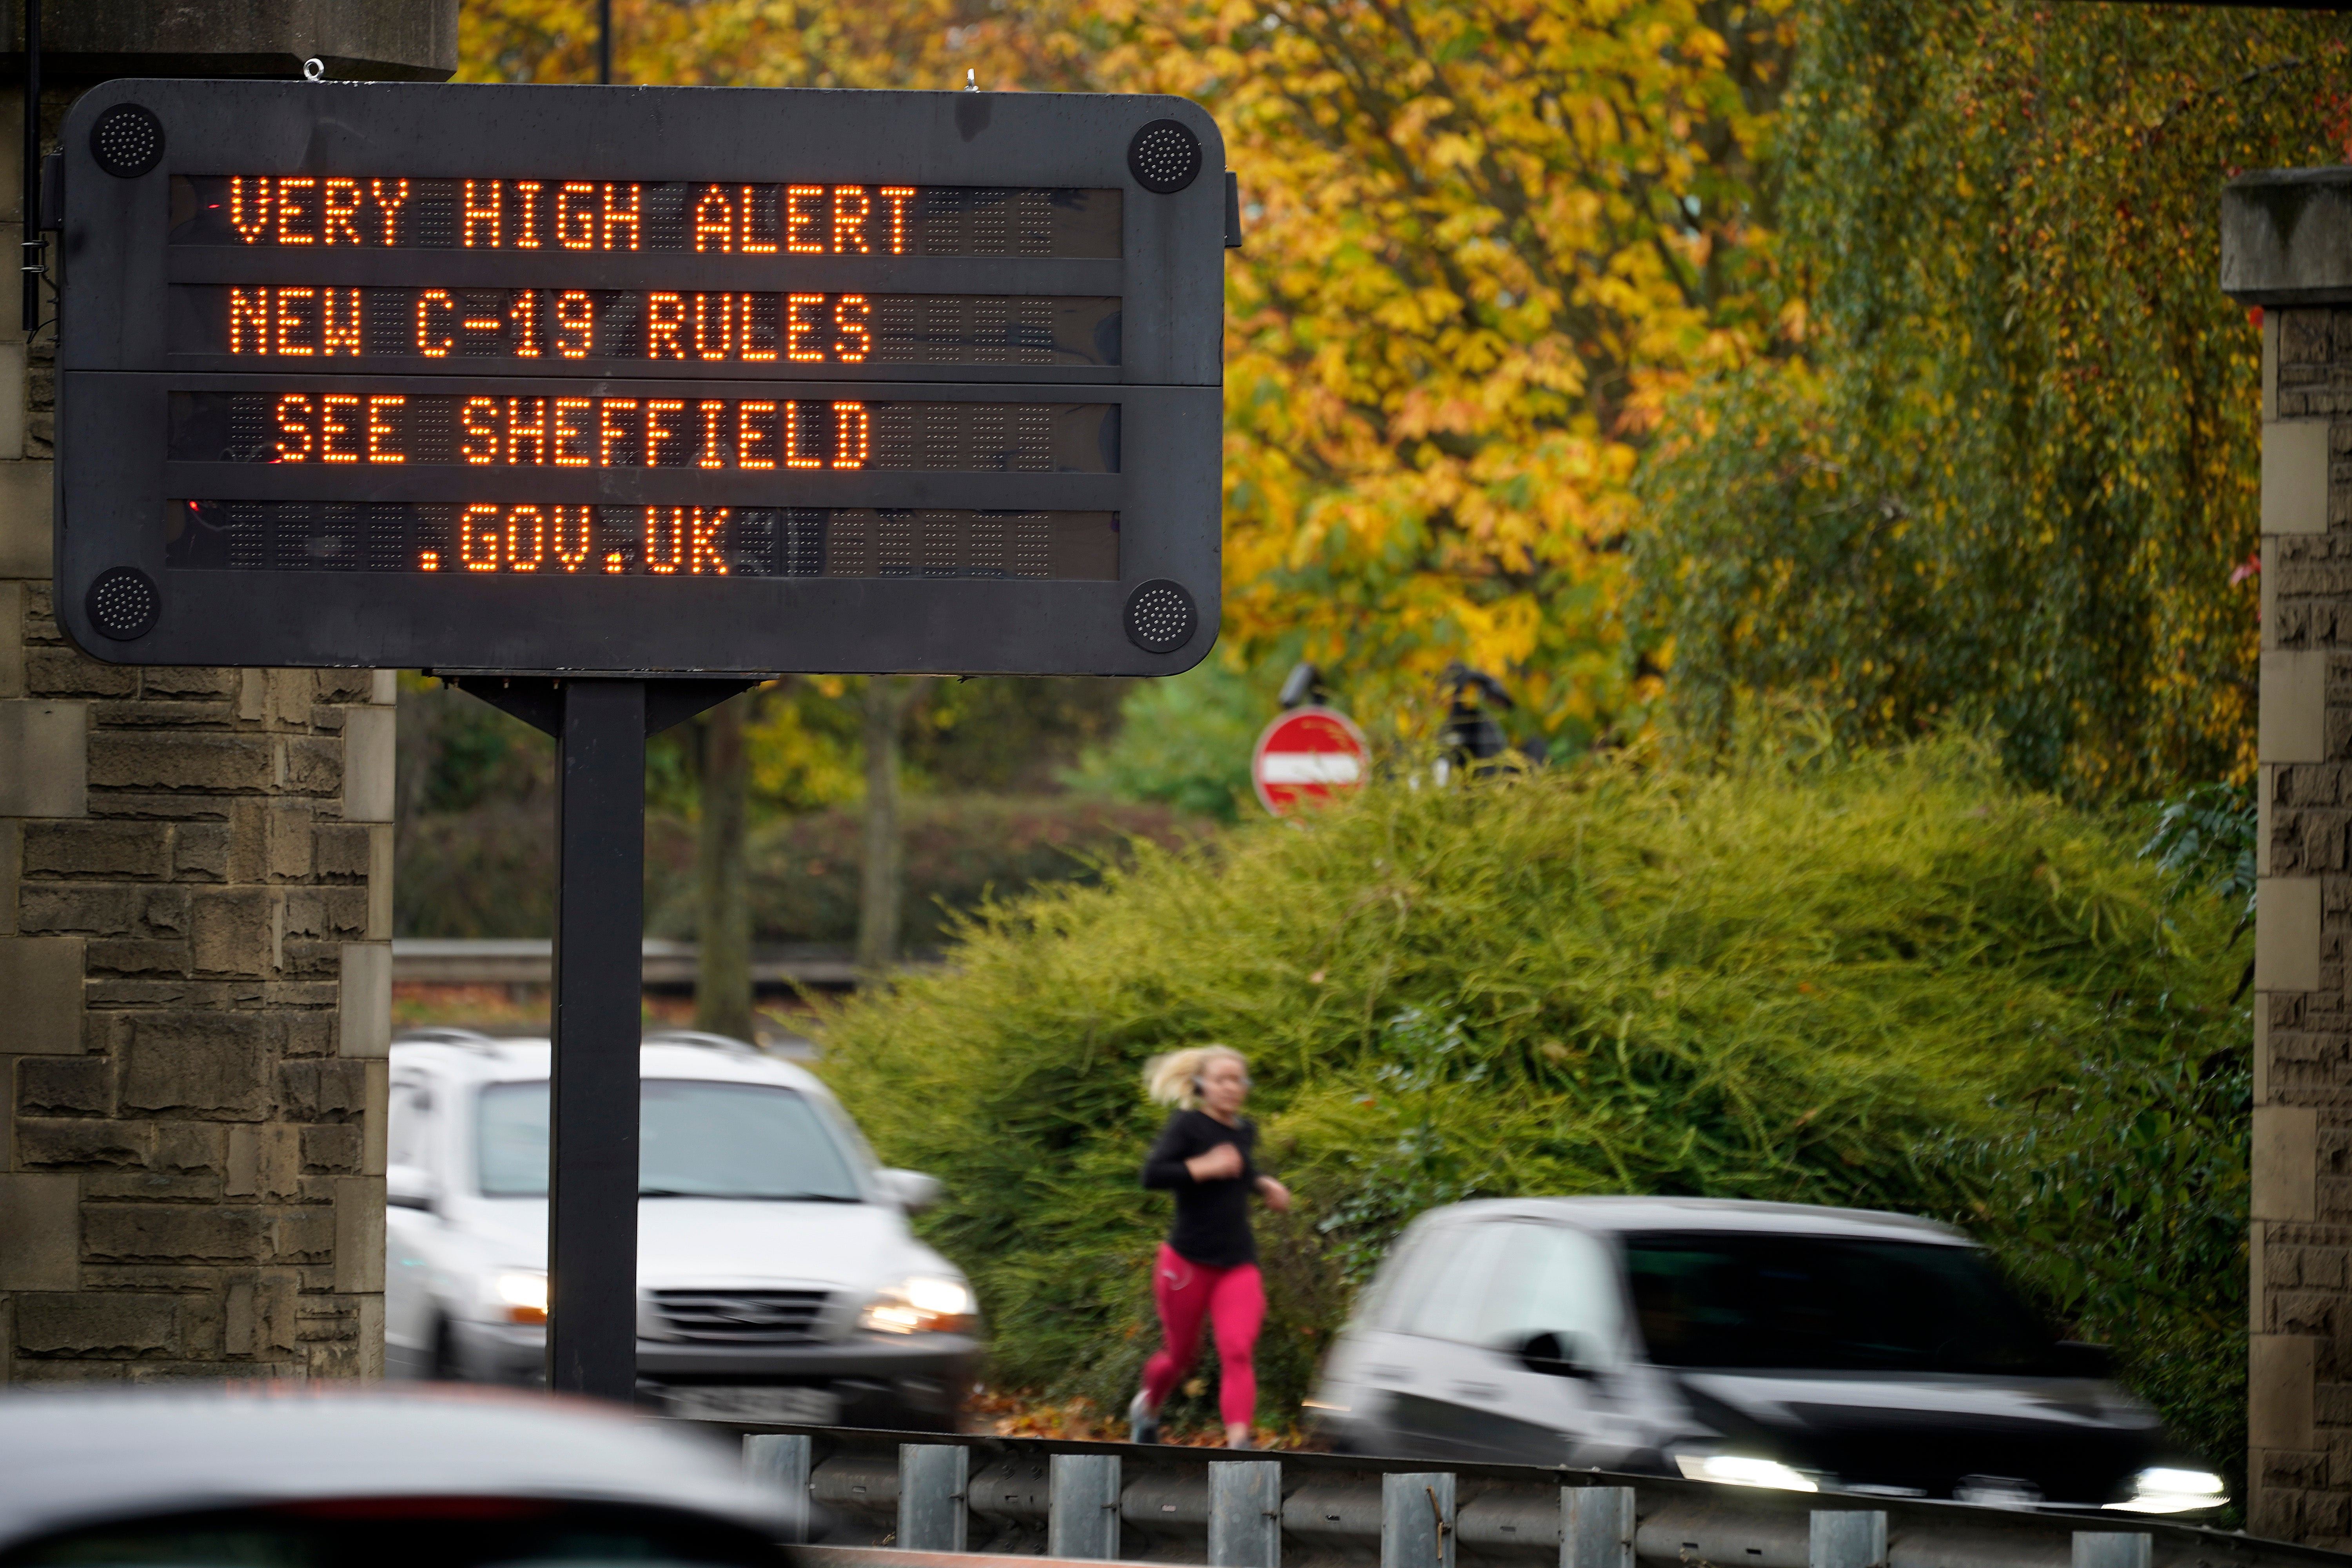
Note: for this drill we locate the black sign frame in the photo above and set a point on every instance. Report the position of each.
(115, 485)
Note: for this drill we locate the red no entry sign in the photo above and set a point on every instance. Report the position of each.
(1308, 756)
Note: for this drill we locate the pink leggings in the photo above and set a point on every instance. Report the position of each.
(1187, 1292)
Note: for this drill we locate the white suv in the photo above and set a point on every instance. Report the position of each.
(777, 1279)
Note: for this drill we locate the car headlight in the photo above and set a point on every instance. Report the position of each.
(924, 1304)
(2163, 1490)
(1743, 1471)
(522, 1295)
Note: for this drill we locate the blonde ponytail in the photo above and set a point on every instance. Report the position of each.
(1171, 1080)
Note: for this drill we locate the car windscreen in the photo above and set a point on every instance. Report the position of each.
(1762, 1300)
(696, 1139)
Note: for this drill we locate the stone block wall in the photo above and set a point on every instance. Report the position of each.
(194, 977)
(2300, 1396)
(197, 979)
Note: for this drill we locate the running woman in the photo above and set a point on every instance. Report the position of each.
(1208, 1267)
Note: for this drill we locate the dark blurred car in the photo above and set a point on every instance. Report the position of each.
(315, 1476)
(1763, 1345)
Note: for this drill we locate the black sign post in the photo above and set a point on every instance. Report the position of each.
(604, 403)
(591, 1230)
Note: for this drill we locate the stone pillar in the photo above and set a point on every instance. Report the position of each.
(2284, 249)
(2297, 1248)
(196, 886)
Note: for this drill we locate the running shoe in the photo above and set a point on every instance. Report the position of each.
(1142, 1421)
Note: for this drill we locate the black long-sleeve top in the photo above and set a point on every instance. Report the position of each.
(1213, 1225)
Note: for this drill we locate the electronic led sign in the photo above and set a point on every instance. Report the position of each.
(639, 380)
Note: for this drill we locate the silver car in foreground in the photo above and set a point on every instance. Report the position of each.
(323, 1476)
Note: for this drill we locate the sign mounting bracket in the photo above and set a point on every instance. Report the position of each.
(538, 699)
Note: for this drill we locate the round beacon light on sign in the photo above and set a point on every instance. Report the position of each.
(1307, 757)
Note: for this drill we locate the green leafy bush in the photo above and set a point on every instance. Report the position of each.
(1186, 741)
(487, 871)
(1812, 977)
(2119, 1196)
(2206, 841)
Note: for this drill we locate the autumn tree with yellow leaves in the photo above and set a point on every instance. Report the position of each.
(1487, 243)
(1848, 352)
(709, 43)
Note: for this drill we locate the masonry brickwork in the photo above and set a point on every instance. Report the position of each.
(196, 895)
(196, 979)
(2300, 1396)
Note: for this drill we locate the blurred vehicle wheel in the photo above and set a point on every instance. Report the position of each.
(444, 1367)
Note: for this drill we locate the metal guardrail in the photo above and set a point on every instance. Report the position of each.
(530, 960)
(892, 1499)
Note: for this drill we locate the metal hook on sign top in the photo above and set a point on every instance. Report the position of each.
(314, 70)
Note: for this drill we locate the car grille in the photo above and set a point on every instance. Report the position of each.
(741, 1317)
(1939, 1453)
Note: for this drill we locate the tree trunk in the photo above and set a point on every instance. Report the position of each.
(882, 886)
(722, 981)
